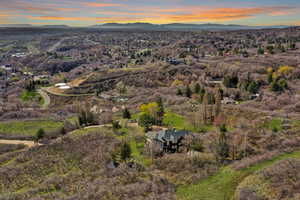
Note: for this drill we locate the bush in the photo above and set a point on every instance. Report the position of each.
(39, 135)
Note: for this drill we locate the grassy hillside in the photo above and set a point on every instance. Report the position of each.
(27, 128)
(223, 185)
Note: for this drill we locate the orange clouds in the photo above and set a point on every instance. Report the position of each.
(220, 14)
(92, 4)
(68, 10)
(56, 18)
(193, 14)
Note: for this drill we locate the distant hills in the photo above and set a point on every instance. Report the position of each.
(30, 26)
(16, 25)
(180, 26)
(149, 26)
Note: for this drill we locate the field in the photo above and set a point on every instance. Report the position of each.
(27, 128)
(31, 96)
(180, 122)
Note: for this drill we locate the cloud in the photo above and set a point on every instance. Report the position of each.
(221, 14)
(58, 18)
(192, 14)
(124, 12)
(93, 4)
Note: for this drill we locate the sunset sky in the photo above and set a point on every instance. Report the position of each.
(90, 12)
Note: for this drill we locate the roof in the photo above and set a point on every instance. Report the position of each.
(60, 84)
(64, 87)
(167, 135)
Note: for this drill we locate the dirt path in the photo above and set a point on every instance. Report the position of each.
(46, 98)
(27, 143)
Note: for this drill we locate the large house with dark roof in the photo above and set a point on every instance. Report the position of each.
(168, 140)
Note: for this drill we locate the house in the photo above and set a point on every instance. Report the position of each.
(65, 87)
(6, 67)
(62, 86)
(228, 100)
(169, 140)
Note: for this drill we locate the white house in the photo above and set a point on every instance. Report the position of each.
(60, 84)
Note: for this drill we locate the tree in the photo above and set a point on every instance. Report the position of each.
(126, 114)
(270, 49)
(223, 146)
(197, 88)
(39, 135)
(188, 91)
(160, 110)
(121, 88)
(218, 99)
(116, 125)
(231, 81)
(85, 116)
(270, 77)
(253, 87)
(146, 121)
(205, 105)
(125, 151)
(30, 85)
(260, 51)
(63, 131)
(179, 92)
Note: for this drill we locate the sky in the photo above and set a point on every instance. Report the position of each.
(91, 12)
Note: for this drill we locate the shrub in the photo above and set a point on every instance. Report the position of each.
(39, 135)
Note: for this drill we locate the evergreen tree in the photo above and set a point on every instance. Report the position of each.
(179, 92)
(116, 125)
(202, 93)
(126, 114)
(205, 105)
(253, 87)
(260, 51)
(160, 110)
(218, 103)
(197, 88)
(188, 91)
(146, 121)
(39, 135)
(223, 146)
(125, 153)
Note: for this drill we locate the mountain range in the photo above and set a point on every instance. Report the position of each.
(149, 26)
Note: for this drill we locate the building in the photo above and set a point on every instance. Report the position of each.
(228, 100)
(62, 86)
(169, 140)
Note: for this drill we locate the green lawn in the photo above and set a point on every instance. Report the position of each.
(28, 128)
(222, 185)
(180, 122)
(32, 96)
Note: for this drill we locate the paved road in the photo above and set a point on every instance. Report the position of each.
(46, 98)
